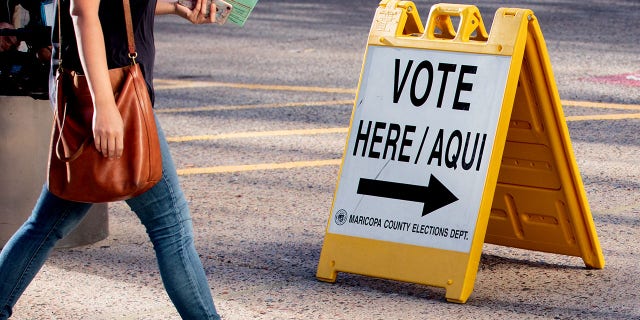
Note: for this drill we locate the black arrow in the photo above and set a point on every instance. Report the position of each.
(434, 196)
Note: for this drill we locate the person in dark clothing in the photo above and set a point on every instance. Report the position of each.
(7, 11)
(25, 47)
(6, 22)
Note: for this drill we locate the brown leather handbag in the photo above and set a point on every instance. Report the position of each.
(77, 170)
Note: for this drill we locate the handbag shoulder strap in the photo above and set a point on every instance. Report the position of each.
(131, 44)
(129, 25)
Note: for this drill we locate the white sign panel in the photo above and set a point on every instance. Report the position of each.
(419, 148)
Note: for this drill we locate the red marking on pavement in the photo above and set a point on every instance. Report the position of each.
(625, 79)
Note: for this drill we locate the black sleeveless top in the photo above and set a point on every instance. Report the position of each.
(111, 14)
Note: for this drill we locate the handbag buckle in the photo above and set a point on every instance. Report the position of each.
(133, 56)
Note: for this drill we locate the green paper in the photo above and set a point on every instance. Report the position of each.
(241, 10)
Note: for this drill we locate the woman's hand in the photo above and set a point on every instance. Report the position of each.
(7, 43)
(197, 15)
(108, 131)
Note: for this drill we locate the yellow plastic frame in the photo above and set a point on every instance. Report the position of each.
(511, 182)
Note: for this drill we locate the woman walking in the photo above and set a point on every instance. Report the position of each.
(94, 40)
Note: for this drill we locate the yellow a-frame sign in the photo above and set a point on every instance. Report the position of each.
(457, 137)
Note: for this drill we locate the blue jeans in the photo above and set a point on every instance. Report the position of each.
(163, 210)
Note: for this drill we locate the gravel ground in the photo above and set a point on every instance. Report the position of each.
(259, 233)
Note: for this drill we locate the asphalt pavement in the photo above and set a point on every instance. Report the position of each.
(257, 119)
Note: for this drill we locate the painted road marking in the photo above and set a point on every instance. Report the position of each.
(599, 105)
(256, 106)
(261, 166)
(167, 84)
(315, 163)
(617, 116)
(258, 134)
(344, 130)
(567, 103)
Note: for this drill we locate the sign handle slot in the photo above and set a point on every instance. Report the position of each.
(470, 28)
(409, 22)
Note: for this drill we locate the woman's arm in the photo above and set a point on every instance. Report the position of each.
(108, 130)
